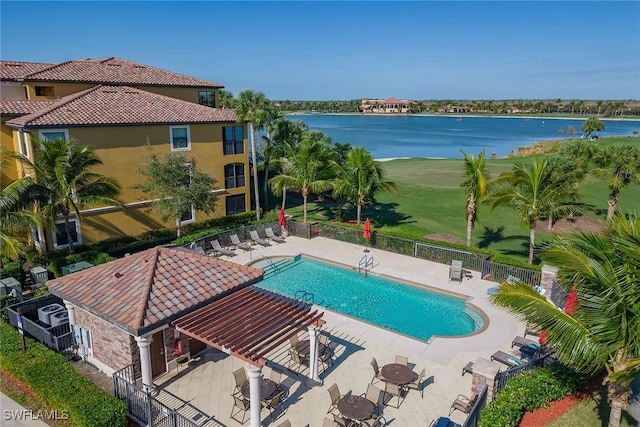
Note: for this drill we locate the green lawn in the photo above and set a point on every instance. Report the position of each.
(592, 412)
(429, 201)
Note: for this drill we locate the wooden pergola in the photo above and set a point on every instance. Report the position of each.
(249, 323)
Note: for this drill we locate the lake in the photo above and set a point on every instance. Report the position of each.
(388, 136)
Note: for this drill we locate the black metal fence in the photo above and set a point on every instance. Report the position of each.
(158, 408)
(58, 338)
(538, 362)
(474, 415)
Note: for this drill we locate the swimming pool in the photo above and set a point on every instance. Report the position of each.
(404, 308)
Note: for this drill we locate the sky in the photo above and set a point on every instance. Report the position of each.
(303, 50)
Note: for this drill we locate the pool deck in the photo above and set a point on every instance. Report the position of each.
(208, 382)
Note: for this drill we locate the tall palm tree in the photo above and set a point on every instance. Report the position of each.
(306, 167)
(272, 152)
(603, 331)
(64, 182)
(530, 189)
(16, 217)
(250, 108)
(287, 134)
(360, 178)
(475, 183)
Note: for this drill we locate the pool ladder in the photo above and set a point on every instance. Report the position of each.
(304, 296)
(274, 268)
(365, 264)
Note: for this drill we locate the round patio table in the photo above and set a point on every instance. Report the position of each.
(355, 407)
(396, 373)
(302, 348)
(267, 389)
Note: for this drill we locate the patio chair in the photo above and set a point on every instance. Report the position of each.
(373, 395)
(273, 403)
(297, 360)
(326, 357)
(455, 271)
(238, 244)
(198, 249)
(393, 390)
(240, 378)
(276, 377)
(334, 394)
(341, 421)
(256, 238)
(441, 422)
(463, 403)
(416, 384)
(272, 236)
(329, 422)
(215, 245)
(402, 360)
(376, 371)
(242, 405)
(506, 359)
(294, 340)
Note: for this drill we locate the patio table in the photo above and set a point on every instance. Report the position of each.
(355, 407)
(302, 348)
(396, 373)
(267, 389)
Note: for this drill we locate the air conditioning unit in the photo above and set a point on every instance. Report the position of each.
(59, 318)
(44, 313)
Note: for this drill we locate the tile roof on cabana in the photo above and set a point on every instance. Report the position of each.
(115, 71)
(121, 105)
(18, 107)
(250, 323)
(145, 290)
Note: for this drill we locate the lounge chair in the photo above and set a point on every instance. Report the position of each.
(441, 422)
(524, 342)
(467, 368)
(506, 359)
(272, 236)
(238, 244)
(455, 271)
(215, 245)
(463, 403)
(256, 238)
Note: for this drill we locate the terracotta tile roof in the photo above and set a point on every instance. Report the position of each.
(111, 71)
(121, 105)
(18, 107)
(14, 70)
(150, 288)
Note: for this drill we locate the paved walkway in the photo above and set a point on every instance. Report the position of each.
(15, 415)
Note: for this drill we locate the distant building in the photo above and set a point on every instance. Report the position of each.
(125, 111)
(389, 105)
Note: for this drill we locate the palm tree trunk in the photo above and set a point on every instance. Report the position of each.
(284, 196)
(532, 242)
(256, 191)
(471, 208)
(358, 211)
(304, 208)
(550, 225)
(616, 412)
(613, 202)
(67, 228)
(178, 227)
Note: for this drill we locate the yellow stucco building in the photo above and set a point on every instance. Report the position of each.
(125, 111)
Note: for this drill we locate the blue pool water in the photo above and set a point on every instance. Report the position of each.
(404, 308)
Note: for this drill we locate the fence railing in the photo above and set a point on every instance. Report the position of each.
(474, 414)
(158, 408)
(538, 362)
(58, 338)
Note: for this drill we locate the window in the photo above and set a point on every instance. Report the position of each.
(233, 137)
(234, 175)
(53, 134)
(23, 143)
(60, 237)
(180, 138)
(235, 204)
(188, 216)
(45, 91)
(207, 98)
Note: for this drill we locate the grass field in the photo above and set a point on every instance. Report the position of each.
(592, 412)
(429, 201)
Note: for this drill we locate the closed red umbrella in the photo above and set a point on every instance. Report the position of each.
(571, 303)
(281, 219)
(366, 232)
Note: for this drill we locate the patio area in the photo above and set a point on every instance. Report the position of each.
(207, 382)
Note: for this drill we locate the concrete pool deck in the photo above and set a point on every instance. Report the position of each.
(208, 382)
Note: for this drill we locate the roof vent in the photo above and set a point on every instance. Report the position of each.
(117, 275)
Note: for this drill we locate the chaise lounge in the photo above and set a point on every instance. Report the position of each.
(238, 244)
(256, 238)
(215, 245)
(272, 236)
(507, 359)
(455, 271)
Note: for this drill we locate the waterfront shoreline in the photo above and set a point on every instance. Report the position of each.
(488, 116)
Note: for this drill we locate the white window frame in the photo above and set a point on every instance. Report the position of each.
(24, 141)
(188, 147)
(42, 132)
(54, 235)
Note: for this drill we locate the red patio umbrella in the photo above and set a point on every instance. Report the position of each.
(571, 303)
(366, 232)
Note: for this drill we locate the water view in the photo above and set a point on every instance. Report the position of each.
(444, 136)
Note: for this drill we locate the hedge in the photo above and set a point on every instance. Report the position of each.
(528, 391)
(58, 383)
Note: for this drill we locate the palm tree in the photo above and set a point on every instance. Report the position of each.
(475, 183)
(531, 190)
(619, 166)
(16, 218)
(306, 167)
(64, 183)
(250, 108)
(287, 134)
(272, 152)
(603, 331)
(360, 178)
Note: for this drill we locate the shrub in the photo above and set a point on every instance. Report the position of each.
(528, 391)
(58, 383)
(11, 269)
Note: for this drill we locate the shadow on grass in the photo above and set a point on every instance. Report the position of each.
(603, 409)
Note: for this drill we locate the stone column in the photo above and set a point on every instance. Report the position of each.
(255, 375)
(547, 279)
(313, 354)
(145, 361)
(484, 373)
